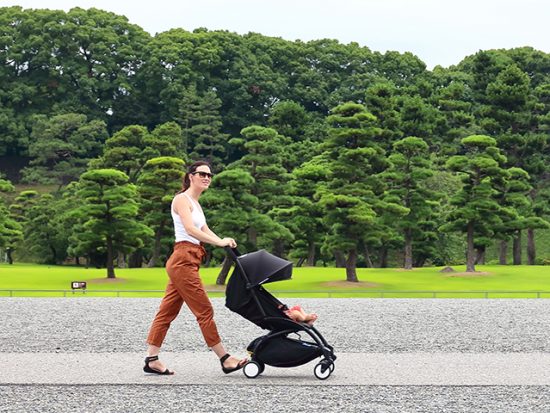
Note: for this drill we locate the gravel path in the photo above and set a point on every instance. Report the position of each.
(232, 399)
(350, 325)
(396, 326)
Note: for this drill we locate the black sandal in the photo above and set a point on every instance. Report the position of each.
(148, 369)
(230, 370)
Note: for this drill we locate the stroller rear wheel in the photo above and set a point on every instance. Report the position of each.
(253, 369)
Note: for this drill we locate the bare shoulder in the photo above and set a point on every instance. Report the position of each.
(181, 203)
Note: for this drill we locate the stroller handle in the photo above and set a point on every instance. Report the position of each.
(233, 253)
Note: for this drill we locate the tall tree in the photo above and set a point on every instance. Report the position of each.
(201, 123)
(130, 148)
(45, 238)
(160, 180)
(353, 187)
(10, 229)
(304, 215)
(107, 216)
(263, 160)
(406, 177)
(475, 206)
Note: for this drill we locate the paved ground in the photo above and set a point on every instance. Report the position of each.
(85, 354)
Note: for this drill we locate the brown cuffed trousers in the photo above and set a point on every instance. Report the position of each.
(185, 286)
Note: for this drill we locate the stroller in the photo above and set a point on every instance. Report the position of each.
(246, 296)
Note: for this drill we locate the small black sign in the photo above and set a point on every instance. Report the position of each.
(78, 285)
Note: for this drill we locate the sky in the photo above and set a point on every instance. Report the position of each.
(439, 32)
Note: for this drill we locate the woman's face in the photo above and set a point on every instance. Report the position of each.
(202, 177)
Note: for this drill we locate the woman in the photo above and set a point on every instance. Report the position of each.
(185, 284)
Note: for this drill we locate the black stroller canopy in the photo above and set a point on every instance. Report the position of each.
(244, 293)
(262, 267)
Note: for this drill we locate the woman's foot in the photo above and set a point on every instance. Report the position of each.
(155, 366)
(231, 363)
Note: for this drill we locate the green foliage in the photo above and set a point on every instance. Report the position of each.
(184, 94)
(201, 123)
(160, 180)
(81, 61)
(406, 185)
(350, 197)
(232, 207)
(45, 236)
(476, 208)
(106, 216)
(62, 146)
(10, 229)
(263, 160)
(130, 148)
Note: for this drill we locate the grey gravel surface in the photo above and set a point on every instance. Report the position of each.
(229, 399)
(395, 326)
(350, 325)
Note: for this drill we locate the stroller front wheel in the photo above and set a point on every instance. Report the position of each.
(323, 369)
(253, 369)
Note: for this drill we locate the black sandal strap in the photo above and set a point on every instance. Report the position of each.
(224, 357)
(151, 358)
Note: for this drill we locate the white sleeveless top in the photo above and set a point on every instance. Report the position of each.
(199, 220)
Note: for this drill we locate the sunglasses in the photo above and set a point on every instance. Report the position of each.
(203, 174)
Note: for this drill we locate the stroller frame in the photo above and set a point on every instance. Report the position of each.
(280, 328)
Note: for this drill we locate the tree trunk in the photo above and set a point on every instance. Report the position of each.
(207, 259)
(253, 237)
(384, 257)
(408, 250)
(517, 248)
(531, 249)
(470, 256)
(480, 256)
(9, 256)
(54, 255)
(351, 267)
(226, 266)
(156, 249)
(367, 258)
(110, 259)
(503, 254)
(121, 260)
(135, 260)
(419, 262)
(278, 248)
(340, 259)
(311, 254)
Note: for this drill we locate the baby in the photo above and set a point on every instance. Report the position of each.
(297, 313)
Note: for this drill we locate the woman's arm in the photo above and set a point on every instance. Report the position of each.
(232, 244)
(182, 207)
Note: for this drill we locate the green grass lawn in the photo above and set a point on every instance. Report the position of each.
(509, 281)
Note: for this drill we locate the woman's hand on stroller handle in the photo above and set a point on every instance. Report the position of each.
(228, 242)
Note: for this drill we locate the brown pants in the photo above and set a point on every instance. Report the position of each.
(185, 286)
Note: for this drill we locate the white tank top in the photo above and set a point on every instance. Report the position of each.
(199, 220)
